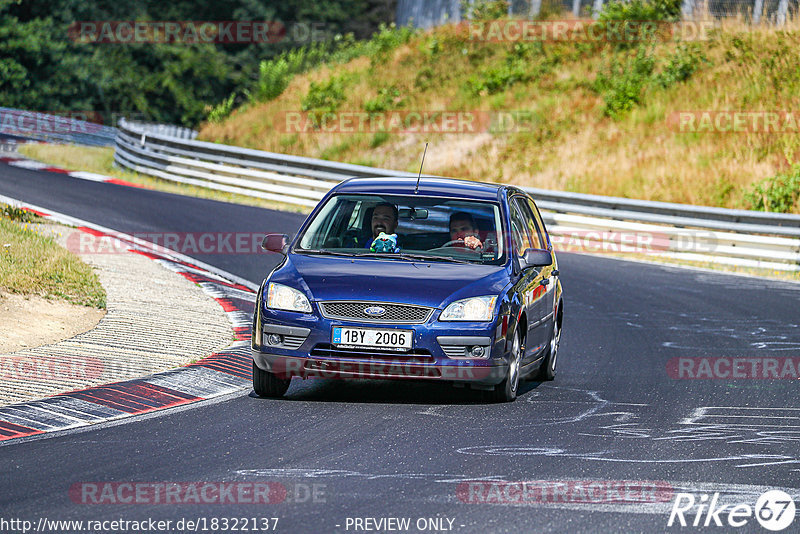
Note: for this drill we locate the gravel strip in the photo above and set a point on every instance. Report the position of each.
(156, 320)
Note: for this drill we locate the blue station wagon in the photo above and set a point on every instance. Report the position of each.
(395, 278)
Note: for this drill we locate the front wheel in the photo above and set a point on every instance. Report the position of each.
(266, 384)
(506, 391)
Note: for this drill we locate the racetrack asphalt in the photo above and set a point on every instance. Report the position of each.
(616, 411)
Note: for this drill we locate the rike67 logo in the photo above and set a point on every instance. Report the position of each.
(774, 510)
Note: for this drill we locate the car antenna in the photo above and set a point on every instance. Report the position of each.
(416, 189)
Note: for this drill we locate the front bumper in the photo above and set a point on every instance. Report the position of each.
(309, 367)
(289, 345)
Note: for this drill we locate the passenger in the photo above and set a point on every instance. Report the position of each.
(384, 219)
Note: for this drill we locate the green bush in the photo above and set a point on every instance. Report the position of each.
(273, 78)
(626, 75)
(276, 74)
(641, 10)
(621, 84)
(523, 62)
(496, 79)
(219, 112)
(425, 78)
(550, 9)
(625, 17)
(484, 9)
(431, 47)
(307, 57)
(378, 139)
(388, 98)
(740, 49)
(326, 96)
(387, 38)
(779, 193)
(681, 65)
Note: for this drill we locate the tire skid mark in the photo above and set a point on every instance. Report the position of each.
(770, 434)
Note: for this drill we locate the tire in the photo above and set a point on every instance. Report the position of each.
(266, 384)
(547, 371)
(506, 391)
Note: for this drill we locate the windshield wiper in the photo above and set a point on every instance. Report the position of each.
(322, 252)
(423, 257)
(410, 257)
(375, 255)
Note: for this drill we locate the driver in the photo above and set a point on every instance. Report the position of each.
(463, 228)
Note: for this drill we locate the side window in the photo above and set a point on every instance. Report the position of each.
(539, 223)
(530, 222)
(355, 217)
(327, 223)
(519, 231)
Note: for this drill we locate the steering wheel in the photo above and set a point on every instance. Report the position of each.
(461, 245)
(460, 242)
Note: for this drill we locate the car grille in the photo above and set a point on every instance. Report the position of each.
(395, 313)
(293, 342)
(454, 351)
(326, 350)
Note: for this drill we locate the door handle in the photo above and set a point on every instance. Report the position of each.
(545, 281)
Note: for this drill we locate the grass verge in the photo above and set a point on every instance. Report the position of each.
(594, 117)
(32, 263)
(100, 160)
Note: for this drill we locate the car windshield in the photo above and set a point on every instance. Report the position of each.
(413, 228)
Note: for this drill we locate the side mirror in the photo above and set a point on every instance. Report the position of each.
(535, 257)
(275, 243)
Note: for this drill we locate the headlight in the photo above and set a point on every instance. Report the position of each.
(280, 297)
(472, 309)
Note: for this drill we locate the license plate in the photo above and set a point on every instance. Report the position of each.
(367, 337)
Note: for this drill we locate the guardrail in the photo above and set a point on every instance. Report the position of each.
(8, 145)
(577, 221)
(279, 177)
(167, 130)
(23, 124)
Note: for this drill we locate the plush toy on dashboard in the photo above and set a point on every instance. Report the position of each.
(385, 243)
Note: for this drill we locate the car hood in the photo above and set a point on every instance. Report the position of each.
(433, 284)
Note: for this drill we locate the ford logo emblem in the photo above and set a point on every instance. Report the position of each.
(375, 311)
